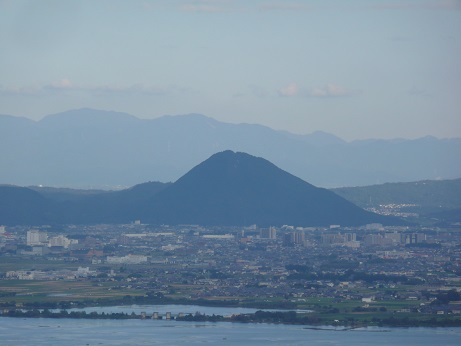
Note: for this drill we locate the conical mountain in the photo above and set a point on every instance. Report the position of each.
(239, 189)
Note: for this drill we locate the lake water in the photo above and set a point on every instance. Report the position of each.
(41, 331)
(174, 309)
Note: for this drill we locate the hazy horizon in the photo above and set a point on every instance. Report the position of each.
(355, 69)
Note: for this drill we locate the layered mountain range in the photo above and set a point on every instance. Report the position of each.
(91, 148)
(229, 188)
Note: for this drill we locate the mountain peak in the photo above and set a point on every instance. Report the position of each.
(235, 188)
(231, 156)
(321, 138)
(228, 189)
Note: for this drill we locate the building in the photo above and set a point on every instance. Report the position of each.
(35, 237)
(373, 239)
(268, 233)
(59, 240)
(374, 227)
(413, 238)
(129, 259)
(395, 237)
(333, 238)
(350, 237)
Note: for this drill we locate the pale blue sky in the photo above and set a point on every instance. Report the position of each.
(356, 68)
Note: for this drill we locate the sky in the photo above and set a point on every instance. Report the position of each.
(357, 69)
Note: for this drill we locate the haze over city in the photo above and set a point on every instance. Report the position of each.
(356, 69)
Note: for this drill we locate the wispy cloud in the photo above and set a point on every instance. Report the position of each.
(416, 91)
(448, 4)
(63, 84)
(206, 6)
(330, 90)
(67, 86)
(429, 5)
(284, 6)
(5, 2)
(234, 6)
(19, 90)
(379, 5)
(393, 6)
(326, 91)
(259, 91)
(289, 90)
(398, 38)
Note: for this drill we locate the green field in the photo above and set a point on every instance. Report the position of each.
(54, 291)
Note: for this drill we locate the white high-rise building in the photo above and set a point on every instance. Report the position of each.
(59, 240)
(35, 237)
(268, 233)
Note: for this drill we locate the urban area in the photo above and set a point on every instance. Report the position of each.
(397, 270)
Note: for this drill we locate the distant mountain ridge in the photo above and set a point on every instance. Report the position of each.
(234, 189)
(445, 194)
(92, 148)
(432, 200)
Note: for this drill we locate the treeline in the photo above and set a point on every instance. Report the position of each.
(445, 297)
(276, 317)
(73, 314)
(304, 273)
(45, 305)
(416, 322)
(288, 317)
(151, 298)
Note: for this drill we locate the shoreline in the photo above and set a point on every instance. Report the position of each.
(312, 319)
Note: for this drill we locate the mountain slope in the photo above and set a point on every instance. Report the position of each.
(23, 206)
(226, 189)
(426, 194)
(239, 189)
(426, 202)
(106, 207)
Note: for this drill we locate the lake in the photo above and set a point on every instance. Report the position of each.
(50, 331)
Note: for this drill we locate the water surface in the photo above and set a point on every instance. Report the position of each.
(51, 331)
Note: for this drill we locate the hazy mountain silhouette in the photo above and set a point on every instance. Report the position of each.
(23, 206)
(90, 148)
(239, 189)
(426, 195)
(226, 189)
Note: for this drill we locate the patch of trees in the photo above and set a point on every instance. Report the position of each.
(267, 317)
(285, 304)
(7, 294)
(298, 267)
(425, 245)
(394, 321)
(445, 297)
(352, 275)
(216, 274)
(41, 305)
(339, 264)
(198, 317)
